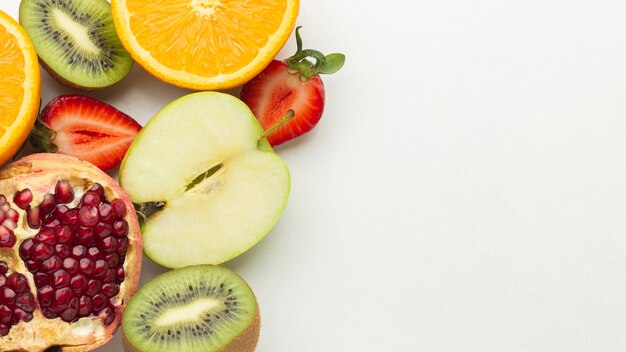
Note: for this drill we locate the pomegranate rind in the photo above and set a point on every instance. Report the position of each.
(40, 172)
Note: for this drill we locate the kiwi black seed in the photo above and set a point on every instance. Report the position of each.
(76, 41)
(200, 308)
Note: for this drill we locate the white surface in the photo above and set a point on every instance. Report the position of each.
(465, 190)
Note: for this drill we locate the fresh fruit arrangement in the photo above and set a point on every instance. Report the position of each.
(76, 41)
(195, 309)
(199, 184)
(221, 198)
(85, 128)
(70, 254)
(294, 84)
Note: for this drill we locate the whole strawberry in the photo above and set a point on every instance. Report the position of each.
(293, 84)
(85, 128)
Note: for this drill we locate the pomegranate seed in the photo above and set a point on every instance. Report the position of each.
(21, 315)
(85, 236)
(41, 279)
(91, 198)
(12, 215)
(110, 289)
(93, 287)
(106, 213)
(88, 215)
(119, 207)
(79, 251)
(9, 224)
(63, 192)
(5, 314)
(71, 265)
(85, 307)
(63, 250)
(8, 296)
(33, 217)
(4, 330)
(112, 259)
(26, 247)
(3, 216)
(100, 268)
(46, 235)
(60, 211)
(3, 199)
(93, 253)
(50, 314)
(71, 217)
(109, 277)
(32, 265)
(42, 251)
(122, 246)
(109, 244)
(86, 266)
(65, 234)
(78, 284)
(25, 301)
(4, 268)
(7, 238)
(103, 230)
(60, 278)
(3, 280)
(99, 301)
(47, 204)
(5, 206)
(52, 223)
(51, 264)
(70, 313)
(45, 295)
(23, 198)
(97, 189)
(61, 300)
(17, 282)
(108, 312)
(120, 228)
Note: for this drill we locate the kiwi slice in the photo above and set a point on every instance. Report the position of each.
(76, 41)
(200, 308)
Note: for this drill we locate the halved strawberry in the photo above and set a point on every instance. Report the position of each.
(86, 128)
(293, 84)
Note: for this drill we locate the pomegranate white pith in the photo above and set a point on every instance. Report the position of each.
(40, 174)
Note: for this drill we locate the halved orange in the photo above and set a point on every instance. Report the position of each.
(20, 86)
(204, 44)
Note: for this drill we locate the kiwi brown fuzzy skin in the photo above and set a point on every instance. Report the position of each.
(246, 341)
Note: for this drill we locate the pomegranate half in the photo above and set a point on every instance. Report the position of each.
(70, 255)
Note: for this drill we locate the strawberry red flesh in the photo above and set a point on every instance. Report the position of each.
(86, 128)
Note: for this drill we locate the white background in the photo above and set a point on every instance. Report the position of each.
(465, 189)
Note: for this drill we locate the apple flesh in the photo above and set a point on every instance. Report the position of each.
(220, 188)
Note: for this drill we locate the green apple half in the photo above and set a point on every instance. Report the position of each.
(216, 185)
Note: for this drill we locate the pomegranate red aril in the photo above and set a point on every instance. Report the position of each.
(25, 301)
(108, 312)
(8, 296)
(78, 284)
(91, 198)
(85, 236)
(46, 235)
(70, 313)
(63, 192)
(23, 198)
(50, 314)
(84, 306)
(4, 268)
(5, 314)
(46, 293)
(21, 315)
(63, 250)
(112, 259)
(109, 277)
(32, 265)
(3, 198)
(41, 279)
(122, 246)
(103, 230)
(93, 253)
(17, 282)
(100, 268)
(3, 280)
(86, 266)
(119, 207)
(71, 265)
(61, 299)
(93, 287)
(7, 238)
(60, 278)
(51, 264)
(9, 224)
(25, 248)
(110, 289)
(60, 212)
(33, 217)
(79, 251)
(41, 251)
(109, 244)
(88, 215)
(47, 204)
(52, 223)
(120, 228)
(65, 234)
(106, 213)
(3, 216)
(120, 275)
(12, 215)
(99, 301)
(97, 189)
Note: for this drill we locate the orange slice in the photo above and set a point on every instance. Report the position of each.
(204, 44)
(20, 86)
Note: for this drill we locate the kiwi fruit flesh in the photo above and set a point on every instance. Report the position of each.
(76, 41)
(201, 308)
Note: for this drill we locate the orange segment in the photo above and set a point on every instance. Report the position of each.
(19, 86)
(204, 44)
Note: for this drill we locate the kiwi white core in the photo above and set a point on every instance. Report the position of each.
(188, 313)
(79, 32)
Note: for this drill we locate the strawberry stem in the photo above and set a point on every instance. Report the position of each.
(41, 138)
(300, 63)
(288, 116)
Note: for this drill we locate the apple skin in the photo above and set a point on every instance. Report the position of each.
(183, 241)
